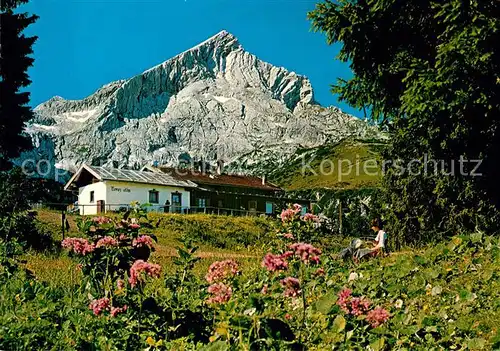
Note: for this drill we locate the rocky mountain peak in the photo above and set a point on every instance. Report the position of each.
(213, 101)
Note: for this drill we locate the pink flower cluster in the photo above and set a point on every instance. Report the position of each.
(377, 316)
(306, 252)
(104, 304)
(221, 270)
(100, 305)
(139, 268)
(274, 262)
(107, 241)
(101, 220)
(290, 213)
(358, 306)
(292, 287)
(221, 293)
(117, 310)
(78, 245)
(309, 217)
(353, 305)
(143, 240)
(288, 236)
(134, 226)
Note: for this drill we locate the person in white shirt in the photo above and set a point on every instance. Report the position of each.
(377, 227)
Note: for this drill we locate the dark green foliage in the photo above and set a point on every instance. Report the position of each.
(429, 71)
(15, 49)
(17, 193)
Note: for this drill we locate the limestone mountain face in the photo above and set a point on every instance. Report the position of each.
(215, 101)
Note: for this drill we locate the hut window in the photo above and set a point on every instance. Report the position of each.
(92, 197)
(154, 197)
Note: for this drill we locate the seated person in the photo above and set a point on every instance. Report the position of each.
(377, 227)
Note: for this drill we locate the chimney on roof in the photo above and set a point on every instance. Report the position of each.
(264, 180)
(220, 167)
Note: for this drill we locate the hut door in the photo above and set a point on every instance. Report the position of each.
(176, 202)
(101, 206)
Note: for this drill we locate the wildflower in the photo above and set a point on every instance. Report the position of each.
(143, 240)
(120, 284)
(78, 245)
(353, 276)
(100, 305)
(359, 305)
(287, 215)
(344, 299)
(107, 241)
(139, 267)
(398, 303)
(101, 220)
(274, 262)
(122, 237)
(309, 217)
(220, 270)
(297, 208)
(134, 226)
(150, 341)
(117, 310)
(292, 287)
(306, 252)
(288, 236)
(221, 293)
(288, 316)
(377, 316)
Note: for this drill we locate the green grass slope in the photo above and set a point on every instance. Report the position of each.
(349, 164)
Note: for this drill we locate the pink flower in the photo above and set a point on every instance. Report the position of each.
(352, 305)
(117, 310)
(221, 270)
(274, 262)
(306, 252)
(288, 316)
(221, 293)
(344, 299)
(107, 241)
(309, 217)
(139, 268)
(288, 236)
(292, 287)
(377, 316)
(287, 215)
(134, 226)
(359, 305)
(144, 240)
(78, 245)
(122, 237)
(297, 208)
(120, 284)
(99, 306)
(101, 220)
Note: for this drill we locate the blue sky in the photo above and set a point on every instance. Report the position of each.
(85, 44)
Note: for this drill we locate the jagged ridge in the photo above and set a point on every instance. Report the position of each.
(213, 101)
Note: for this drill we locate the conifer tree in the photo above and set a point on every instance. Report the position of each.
(15, 51)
